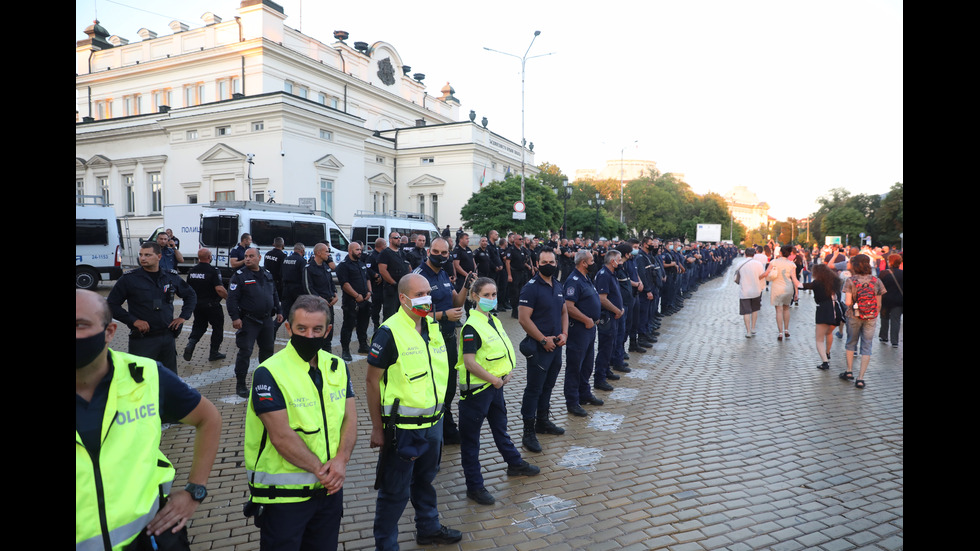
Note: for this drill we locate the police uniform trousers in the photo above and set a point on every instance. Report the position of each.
(205, 315)
(391, 304)
(357, 315)
(289, 296)
(617, 358)
(608, 337)
(502, 289)
(448, 330)
(515, 289)
(579, 362)
(308, 525)
(542, 374)
(488, 405)
(159, 345)
(377, 304)
(253, 329)
(404, 480)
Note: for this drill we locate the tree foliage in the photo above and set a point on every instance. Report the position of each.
(492, 207)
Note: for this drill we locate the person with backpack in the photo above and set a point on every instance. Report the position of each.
(862, 299)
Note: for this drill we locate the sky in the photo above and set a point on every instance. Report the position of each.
(789, 98)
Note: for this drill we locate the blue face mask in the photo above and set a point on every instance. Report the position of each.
(636, 252)
(487, 304)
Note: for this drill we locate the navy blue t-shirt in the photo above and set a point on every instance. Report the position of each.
(547, 301)
(580, 290)
(607, 284)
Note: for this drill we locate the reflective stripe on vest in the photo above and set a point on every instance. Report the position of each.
(420, 376)
(271, 478)
(496, 354)
(121, 487)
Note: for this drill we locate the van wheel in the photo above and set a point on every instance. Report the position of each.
(86, 278)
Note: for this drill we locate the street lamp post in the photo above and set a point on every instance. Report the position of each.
(598, 203)
(523, 63)
(564, 212)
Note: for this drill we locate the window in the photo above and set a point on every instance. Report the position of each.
(422, 203)
(224, 196)
(337, 240)
(103, 109)
(374, 208)
(379, 159)
(222, 131)
(435, 208)
(264, 232)
(309, 233)
(191, 135)
(259, 196)
(384, 203)
(156, 192)
(258, 126)
(326, 195)
(322, 98)
(132, 105)
(428, 160)
(193, 94)
(129, 188)
(228, 86)
(161, 98)
(326, 134)
(104, 189)
(80, 192)
(192, 199)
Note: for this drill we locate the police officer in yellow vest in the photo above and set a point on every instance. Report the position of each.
(486, 359)
(300, 430)
(407, 380)
(123, 496)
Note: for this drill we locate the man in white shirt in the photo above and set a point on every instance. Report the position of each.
(750, 288)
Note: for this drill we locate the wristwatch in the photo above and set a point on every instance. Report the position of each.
(197, 491)
(544, 341)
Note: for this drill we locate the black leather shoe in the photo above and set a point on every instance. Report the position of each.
(637, 348)
(443, 536)
(612, 376)
(215, 356)
(481, 496)
(345, 355)
(592, 401)
(578, 411)
(363, 350)
(524, 469)
(622, 368)
(545, 426)
(603, 386)
(241, 389)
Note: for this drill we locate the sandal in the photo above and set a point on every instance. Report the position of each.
(779, 336)
(824, 366)
(847, 376)
(787, 334)
(859, 383)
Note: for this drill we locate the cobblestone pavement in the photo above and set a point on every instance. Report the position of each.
(714, 441)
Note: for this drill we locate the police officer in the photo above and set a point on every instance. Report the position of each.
(463, 262)
(297, 476)
(544, 317)
(273, 262)
(407, 378)
(293, 268)
(353, 278)
(622, 276)
(318, 281)
(416, 254)
(150, 294)
(582, 303)
(254, 308)
(497, 267)
(514, 265)
(392, 266)
(206, 282)
(611, 300)
(447, 310)
(377, 284)
(482, 258)
(236, 256)
(121, 477)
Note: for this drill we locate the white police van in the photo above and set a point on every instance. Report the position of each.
(98, 248)
(368, 226)
(219, 227)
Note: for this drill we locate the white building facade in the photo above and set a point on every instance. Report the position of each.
(173, 120)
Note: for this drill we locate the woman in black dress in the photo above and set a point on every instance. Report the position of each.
(826, 288)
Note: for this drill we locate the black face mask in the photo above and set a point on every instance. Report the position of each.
(438, 260)
(307, 347)
(87, 349)
(547, 270)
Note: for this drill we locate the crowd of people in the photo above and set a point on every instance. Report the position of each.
(585, 305)
(852, 287)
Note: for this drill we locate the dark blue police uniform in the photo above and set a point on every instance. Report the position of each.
(204, 278)
(252, 298)
(356, 314)
(580, 350)
(606, 284)
(547, 302)
(318, 281)
(150, 297)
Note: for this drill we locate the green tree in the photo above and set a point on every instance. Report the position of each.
(492, 207)
(889, 221)
(847, 222)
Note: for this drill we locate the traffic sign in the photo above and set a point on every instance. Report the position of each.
(519, 206)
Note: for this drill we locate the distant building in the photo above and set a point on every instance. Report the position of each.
(746, 207)
(171, 119)
(628, 169)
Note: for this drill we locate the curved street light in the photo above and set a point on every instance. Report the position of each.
(523, 63)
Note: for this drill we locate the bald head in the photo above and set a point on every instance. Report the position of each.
(319, 248)
(93, 306)
(204, 255)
